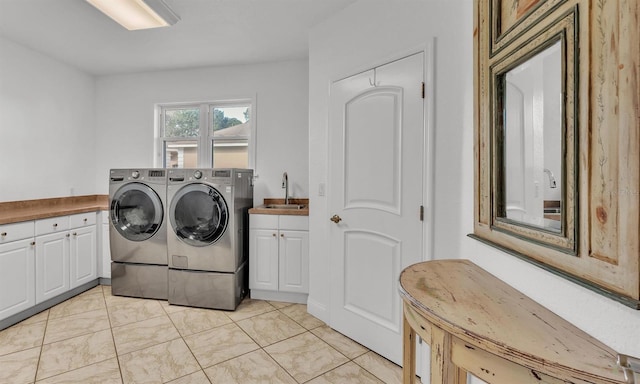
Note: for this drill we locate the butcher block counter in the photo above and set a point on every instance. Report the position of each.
(17, 211)
(477, 323)
(277, 207)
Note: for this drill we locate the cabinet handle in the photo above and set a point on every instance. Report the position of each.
(282, 235)
(55, 225)
(3, 234)
(75, 234)
(85, 220)
(273, 234)
(33, 243)
(68, 235)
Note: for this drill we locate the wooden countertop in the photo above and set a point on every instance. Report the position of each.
(25, 210)
(262, 210)
(483, 311)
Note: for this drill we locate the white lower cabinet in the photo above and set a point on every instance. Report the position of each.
(52, 265)
(45, 258)
(83, 256)
(293, 252)
(66, 258)
(17, 275)
(279, 257)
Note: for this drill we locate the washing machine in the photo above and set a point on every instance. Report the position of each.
(208, 236)
(138, 232)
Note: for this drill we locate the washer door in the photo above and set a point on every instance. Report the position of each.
(136, 211)
(198, 214)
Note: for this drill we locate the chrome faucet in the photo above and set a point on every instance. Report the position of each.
(552, 180)
(285, 185)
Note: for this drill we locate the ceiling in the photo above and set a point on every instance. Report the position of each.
(210, 33)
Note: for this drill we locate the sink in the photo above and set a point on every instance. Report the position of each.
(285, 206)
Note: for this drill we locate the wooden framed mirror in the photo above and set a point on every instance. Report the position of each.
(557, 145)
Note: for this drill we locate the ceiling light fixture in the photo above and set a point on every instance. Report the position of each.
(137, 14)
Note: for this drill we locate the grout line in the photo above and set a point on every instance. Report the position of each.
(35, 375)
(113, 339)
(272, 308)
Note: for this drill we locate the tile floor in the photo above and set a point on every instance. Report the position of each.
(99, 338)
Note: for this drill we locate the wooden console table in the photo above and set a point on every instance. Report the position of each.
(476, 323)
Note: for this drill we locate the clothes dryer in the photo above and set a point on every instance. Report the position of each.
(138, 233)
(207, 236)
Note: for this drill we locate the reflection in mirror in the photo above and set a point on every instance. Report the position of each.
(533, 124)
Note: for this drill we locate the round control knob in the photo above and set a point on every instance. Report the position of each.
(135, 174)
(197, 174)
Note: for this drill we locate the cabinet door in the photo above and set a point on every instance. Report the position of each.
(52, 265)
(83, 255)
(17, 280)
(294, 261)
(263, 259)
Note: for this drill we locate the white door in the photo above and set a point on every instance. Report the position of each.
(376, 192)
(17, 277)
(263, 259)
(294, 261)
(52, 265)
(83, 255)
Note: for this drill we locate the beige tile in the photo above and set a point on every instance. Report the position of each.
(21, 337)
(79, 304)
(195, 378)
(95, 290)
(219, 344)
(158, 364)
(249, 308)
(19, 367)
(380, 367)
(279, 304)
(106, 290)
(337, 340)
(349, 373)
(194, 320)
(270, 327)
(253, 368)
(104, 372)
(42, 316)
(298, 312)
(143, 334)
(126, 310)
(305, 356)
(75, 325)
(70, 354)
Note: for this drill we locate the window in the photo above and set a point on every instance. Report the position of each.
(205, 135)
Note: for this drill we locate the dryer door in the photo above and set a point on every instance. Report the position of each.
(198, 214)
(136, 211)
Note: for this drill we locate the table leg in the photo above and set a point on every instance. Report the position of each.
(443, 371)
(408, 353)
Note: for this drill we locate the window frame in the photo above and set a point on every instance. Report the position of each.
(205, 140)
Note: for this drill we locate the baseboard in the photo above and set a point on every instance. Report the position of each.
(287, 297)
(318, 310)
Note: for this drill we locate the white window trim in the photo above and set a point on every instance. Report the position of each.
(205, 138)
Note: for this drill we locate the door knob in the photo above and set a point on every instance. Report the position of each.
(336, 219)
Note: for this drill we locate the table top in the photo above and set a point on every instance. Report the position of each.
(475, 306)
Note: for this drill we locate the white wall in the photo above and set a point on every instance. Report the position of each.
(359, 37)
(125, 118)
(47, 140)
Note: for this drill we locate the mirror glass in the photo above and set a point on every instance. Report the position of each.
(532, 143)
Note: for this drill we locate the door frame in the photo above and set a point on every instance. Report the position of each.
(428, 165)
